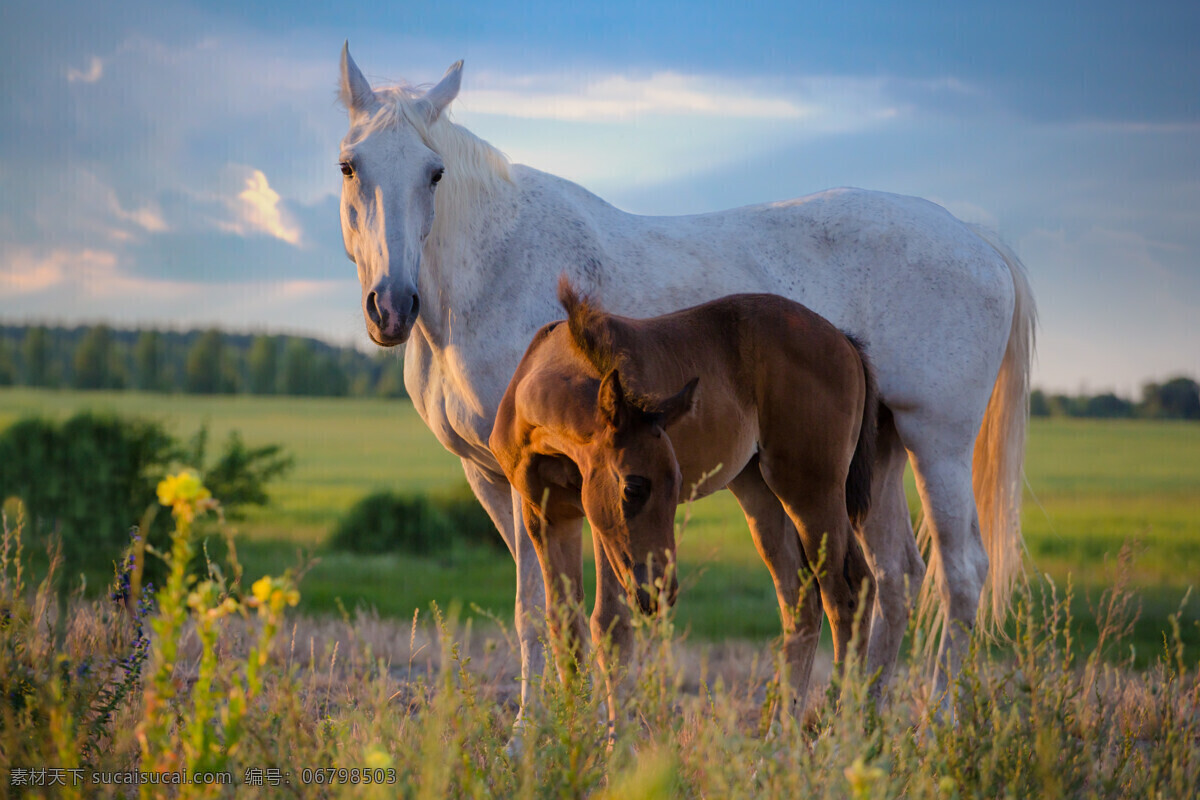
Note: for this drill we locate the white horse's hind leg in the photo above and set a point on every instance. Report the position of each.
(892, 554)
(497, 498)
(942, 465)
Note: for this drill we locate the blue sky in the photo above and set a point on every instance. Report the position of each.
(173, 163)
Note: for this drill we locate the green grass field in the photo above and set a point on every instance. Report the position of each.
(1092, 486)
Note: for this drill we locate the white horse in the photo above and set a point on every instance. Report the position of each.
(459, 253)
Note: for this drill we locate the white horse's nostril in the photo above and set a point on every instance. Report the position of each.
(373, 311)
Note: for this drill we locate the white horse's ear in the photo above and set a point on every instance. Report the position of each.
(354, 92)
(440, 96)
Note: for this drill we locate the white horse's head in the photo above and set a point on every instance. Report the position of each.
(390, 179)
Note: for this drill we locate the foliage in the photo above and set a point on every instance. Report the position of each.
(148, 362)
(391, 378)
(1177, 398)
(201, 729)
(200, 362)
(8, 365)
(86, 480)
(307, 373)
(262, 365)
(241, 474)
(1092, 484)
(419, 524)
(96, 366)
(366, 710)
(209, 370)
(69, 701)
(36, 351)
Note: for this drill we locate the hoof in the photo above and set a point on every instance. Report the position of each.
(516, 743)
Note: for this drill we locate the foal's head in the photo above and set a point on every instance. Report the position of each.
(631, 478)
(631, 486)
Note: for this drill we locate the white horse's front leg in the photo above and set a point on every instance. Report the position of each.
(499, 500)
(530, 608)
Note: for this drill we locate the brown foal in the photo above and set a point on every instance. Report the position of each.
(610, 417)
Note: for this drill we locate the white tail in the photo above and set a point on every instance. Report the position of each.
(997, 464)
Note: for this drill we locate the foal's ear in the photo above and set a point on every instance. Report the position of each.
(675, 407)
(436, 99)
(354, 91)
(611, 402)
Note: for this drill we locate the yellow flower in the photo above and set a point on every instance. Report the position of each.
(166, 490)
(185, 494)
(863, 778)
(272, 594)
(377, 758)
(262, 589)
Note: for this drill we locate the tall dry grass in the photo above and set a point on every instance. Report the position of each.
(314, 707)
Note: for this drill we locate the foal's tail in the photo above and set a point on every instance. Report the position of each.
(858, 480)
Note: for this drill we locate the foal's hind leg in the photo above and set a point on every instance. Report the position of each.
(891, 551)
(818, 510)
(777, 543)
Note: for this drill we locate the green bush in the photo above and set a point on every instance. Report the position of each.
(240, 476)
(415, 523)
(89, 480)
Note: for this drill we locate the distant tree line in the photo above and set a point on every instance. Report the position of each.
(1176, 398)
(195, 362)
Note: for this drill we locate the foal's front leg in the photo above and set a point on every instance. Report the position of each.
(611, 631)
(559, 551)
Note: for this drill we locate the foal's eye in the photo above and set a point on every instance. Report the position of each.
(635, 494)
(347, 168)
(436, 178)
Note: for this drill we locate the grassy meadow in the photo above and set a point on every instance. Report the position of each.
(356, 696)
(1092, 486)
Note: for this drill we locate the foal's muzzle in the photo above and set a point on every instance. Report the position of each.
(648, 593)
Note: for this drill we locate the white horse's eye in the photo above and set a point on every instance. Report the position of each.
(436, 177)
(347, 169)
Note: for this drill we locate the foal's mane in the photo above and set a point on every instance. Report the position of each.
(593, 331)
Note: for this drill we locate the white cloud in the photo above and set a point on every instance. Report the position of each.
(149, 217)
(613, 131)
(621, 97)
(26, 272)
(93, 73)
(85, 286)
(969, 212)
(826, 103)
(256, 210)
